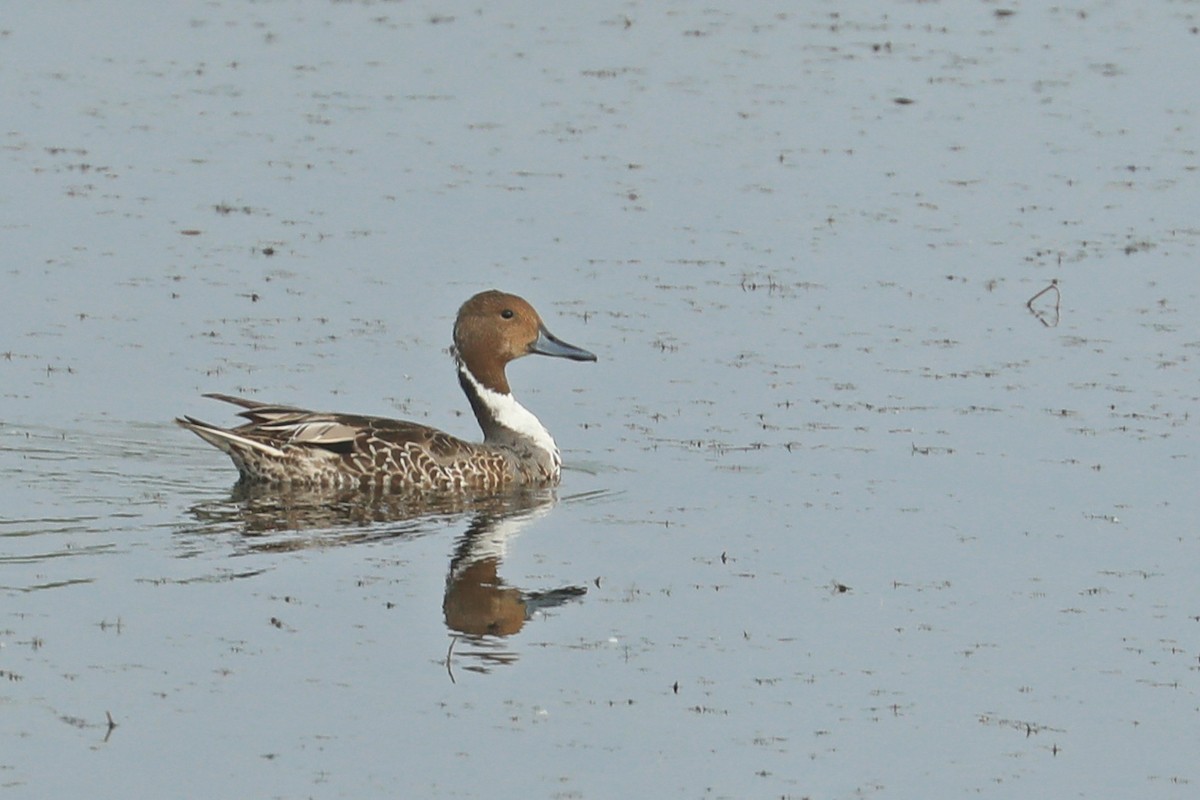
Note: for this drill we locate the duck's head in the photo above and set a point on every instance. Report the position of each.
(493, 328)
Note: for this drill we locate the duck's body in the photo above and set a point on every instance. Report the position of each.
(292, 446)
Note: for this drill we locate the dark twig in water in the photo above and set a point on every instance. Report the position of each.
(449, 655)
(1042, 316)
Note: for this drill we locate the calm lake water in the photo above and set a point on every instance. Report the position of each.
(884, 484)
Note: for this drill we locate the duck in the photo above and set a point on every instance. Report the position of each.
(286, 446)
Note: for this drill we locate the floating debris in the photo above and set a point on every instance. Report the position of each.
(1046, 316)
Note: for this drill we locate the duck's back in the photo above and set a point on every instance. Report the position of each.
(292, 446)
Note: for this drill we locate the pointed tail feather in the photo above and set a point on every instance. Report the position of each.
(256, 411)
(226, 440)
(237, 401)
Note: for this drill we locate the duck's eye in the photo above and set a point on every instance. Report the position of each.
(507, 313)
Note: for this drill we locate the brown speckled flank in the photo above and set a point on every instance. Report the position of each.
(282, 445)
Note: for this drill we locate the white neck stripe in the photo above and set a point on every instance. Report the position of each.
(509, 414)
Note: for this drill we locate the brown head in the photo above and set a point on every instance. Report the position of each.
(493, 328)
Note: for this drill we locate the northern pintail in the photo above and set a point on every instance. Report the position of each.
(292, 446)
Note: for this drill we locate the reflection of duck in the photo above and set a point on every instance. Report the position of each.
(282, 445)
(271, 516)
(477, 601)
(260, 511)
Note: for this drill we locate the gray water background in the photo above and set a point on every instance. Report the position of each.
(853, 519)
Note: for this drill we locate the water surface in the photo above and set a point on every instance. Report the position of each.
(842, 515)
